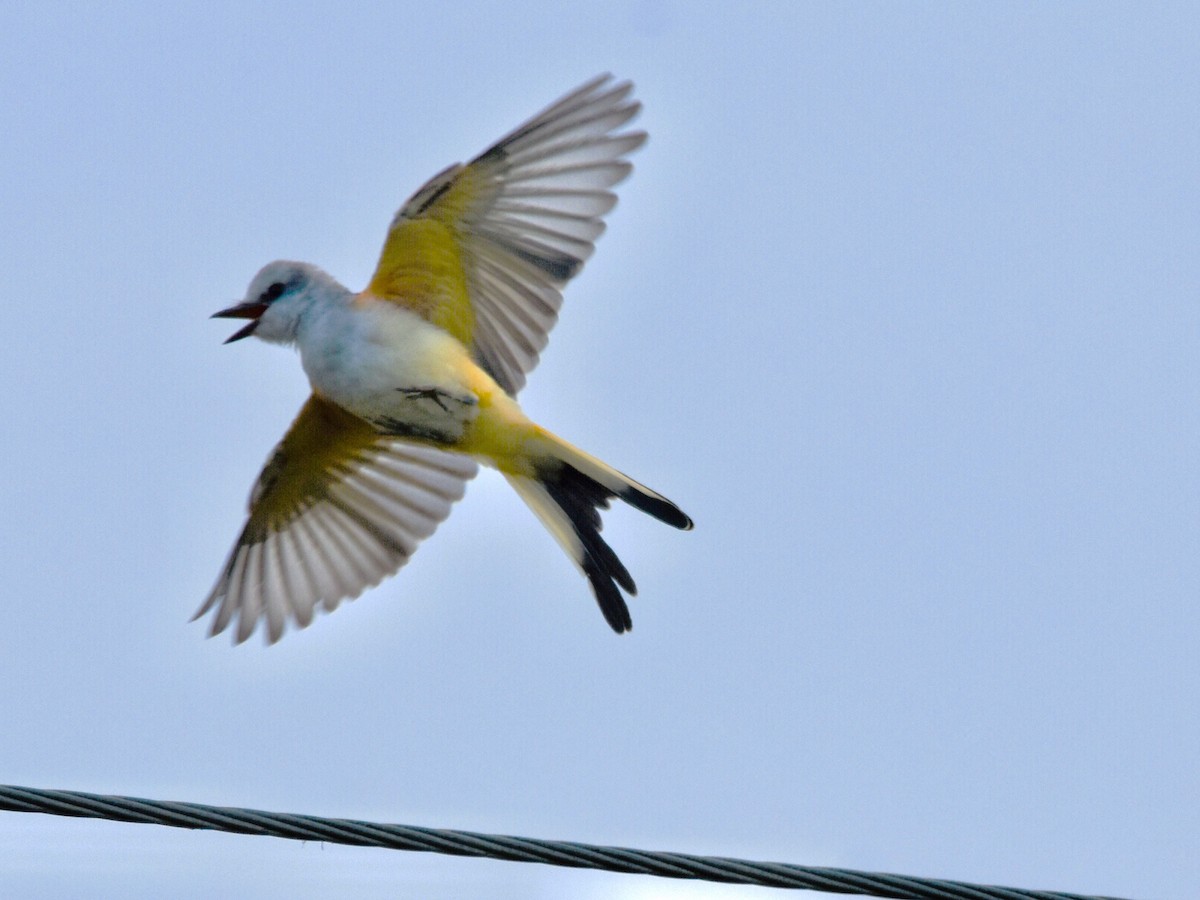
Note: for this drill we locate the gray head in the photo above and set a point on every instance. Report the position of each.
(277, 299)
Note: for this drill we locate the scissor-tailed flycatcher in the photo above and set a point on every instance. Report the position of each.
(413, 378)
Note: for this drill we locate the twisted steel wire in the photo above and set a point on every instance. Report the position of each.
(515, 849)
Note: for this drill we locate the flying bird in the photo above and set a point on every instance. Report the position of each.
(414, 378)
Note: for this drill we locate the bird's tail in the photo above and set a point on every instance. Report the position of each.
(566, 490)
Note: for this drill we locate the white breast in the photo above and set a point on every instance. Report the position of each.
(389, 366)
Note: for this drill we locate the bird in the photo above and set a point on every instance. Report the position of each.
(414, 379)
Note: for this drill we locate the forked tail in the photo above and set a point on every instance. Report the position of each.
(567, 491)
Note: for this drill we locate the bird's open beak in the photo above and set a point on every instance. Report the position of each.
(251, 310)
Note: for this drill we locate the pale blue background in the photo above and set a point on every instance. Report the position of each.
(901, 304)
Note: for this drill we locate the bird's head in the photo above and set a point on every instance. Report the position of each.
(277, 299)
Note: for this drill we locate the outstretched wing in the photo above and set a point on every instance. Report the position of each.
(483, 250)
(337, 508)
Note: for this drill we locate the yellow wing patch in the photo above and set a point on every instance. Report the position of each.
(422, 265)
(323, 444)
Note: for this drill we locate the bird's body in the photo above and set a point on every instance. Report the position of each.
(389, 366)
(414, 378)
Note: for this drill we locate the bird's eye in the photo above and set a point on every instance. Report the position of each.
(273, 292)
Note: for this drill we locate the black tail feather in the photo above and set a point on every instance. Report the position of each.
(659, 507)
(582, 498)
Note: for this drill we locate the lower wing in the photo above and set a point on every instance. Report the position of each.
(337, 508)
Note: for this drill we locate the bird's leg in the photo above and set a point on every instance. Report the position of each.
(437, 396)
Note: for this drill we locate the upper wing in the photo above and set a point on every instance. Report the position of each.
(337, 508)
(484, 250)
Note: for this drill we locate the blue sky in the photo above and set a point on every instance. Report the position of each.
(900, 305)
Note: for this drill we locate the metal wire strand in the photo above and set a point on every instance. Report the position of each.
(516, 849)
